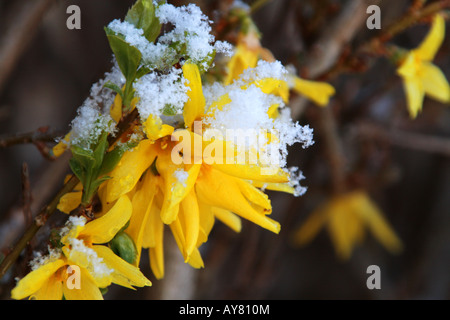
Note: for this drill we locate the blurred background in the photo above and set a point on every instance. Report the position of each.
(46, 72)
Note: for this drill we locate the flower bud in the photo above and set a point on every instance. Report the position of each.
(123, 246)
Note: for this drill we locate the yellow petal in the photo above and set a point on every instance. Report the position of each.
(228, 218)
(124, 273)
(142, 202)
(273, 111)
(218, 104)
(174, 190)
(34, 280)
(252, 172)
(217, 189)
(319, 92)
(154, 240)
(103, 229)
(282, 187)
(52, 289)
(430, 46)
(434, 82)
(273, 86)
(375, 221)
(414, 95)
(61, 146)
(338, 218)
(194, 259)
(206, 222)
(311, 226)
(155, 129)
(150, 238)
(242, 59)
(156, 257)
(88, 289)
(254, 195)
(116, 108)
(130, 169)
(194, 108)
(86, 258)
(410, 66)
(190, 216)
(156, 252)
(69, 202)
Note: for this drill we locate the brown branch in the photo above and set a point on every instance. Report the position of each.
(41, 135)
(327, 49)
(412, 17)
(333, 149)
(26, 17)
(26, 194)
(409, 140)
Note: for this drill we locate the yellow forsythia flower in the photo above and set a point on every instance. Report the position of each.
(247, 53)
(420, 75)
(98, 265)
(346, 216)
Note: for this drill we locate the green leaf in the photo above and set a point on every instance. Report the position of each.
(103, 291)
(169, 110)
(81, 153)
(114, 87)
(142, 16)
(143, 70)
(127, 56)
(111, 159)
(209, 60)
(99, 152)
(77, 169)
(95, 184)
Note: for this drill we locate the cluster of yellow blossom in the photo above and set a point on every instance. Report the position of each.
(179, 166)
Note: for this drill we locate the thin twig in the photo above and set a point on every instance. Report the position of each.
(412, 17)
(26, 194)
(41, 135)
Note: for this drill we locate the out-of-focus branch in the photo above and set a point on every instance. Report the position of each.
(41, 135)
(19, 33)
(327, 49)
(26, 194)
(416, 14)
(409, 140)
